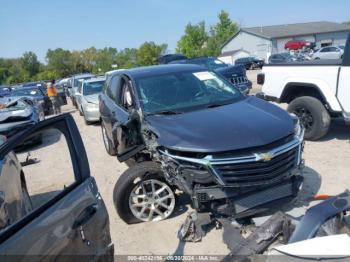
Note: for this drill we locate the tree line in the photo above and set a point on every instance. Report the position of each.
(197, 40)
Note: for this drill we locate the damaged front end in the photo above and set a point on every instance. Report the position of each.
(237, 184)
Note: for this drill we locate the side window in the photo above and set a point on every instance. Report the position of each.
(36, 171)
(113, 86)
(333, 49)
(126, 98)
(324, 50)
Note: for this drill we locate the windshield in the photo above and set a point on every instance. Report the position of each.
(77, 81)
(184, 91)
(33, 92)
(93, 88)
(215, 64)
(18, 105)
(287, 55)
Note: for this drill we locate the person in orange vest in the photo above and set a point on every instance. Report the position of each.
(52, 94)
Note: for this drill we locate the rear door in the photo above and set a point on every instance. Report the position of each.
(108, 102)
(66, 214)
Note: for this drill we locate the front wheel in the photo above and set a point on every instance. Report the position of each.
(141, 194)
(313, 116)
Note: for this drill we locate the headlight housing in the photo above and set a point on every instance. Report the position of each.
(298, 128)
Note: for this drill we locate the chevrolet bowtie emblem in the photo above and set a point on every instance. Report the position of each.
(266, 157)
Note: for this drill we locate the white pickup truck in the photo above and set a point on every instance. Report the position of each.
(316, 91)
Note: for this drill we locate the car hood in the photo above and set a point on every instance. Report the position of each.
(248, 123)
(92, 98)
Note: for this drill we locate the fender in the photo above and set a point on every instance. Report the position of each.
(323, 87)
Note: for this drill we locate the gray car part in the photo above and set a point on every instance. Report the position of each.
(316, 216)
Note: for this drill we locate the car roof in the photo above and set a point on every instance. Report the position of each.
(140, 72)
(26, 87)
(82, 75)
(95, 79)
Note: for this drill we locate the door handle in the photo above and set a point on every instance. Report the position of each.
(85, 216)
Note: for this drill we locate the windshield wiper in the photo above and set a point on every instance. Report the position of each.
(166, 112)
(218, 104)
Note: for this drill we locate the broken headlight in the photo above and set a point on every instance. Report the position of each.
(188, 168)
(298, 128)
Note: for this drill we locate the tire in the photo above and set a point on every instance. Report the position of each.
(107, 142)
(137, 177)
(313, 115)
(87, 122)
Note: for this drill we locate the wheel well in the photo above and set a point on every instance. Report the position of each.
(293, 91)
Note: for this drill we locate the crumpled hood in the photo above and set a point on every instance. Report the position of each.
(92, 98)
(248, 123)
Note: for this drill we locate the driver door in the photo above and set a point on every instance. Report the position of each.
(126, 123)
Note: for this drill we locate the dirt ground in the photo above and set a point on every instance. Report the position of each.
(327, 171)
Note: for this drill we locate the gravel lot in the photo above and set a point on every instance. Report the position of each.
(327, 171)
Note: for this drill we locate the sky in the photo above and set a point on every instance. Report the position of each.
(37, 25)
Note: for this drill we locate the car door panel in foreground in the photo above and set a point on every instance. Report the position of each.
(62, 212)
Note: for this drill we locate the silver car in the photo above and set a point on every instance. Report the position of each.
(329, 52)
(87, 98)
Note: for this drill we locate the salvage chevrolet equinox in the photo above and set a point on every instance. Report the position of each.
(183, 127)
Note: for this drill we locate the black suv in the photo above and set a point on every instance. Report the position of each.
(235, 74)
(182, 126)
(250, 62)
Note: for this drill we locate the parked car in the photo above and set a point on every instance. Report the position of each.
(73, 85)
(316, 91)
(35, 93)
(166, 59)
(281, 58)
(183, 126)
(18, 114)
(5, 91)
(48, 216)
(87, 98)
(250, 62)
(329, 52)
(235, 74)
(298, 44)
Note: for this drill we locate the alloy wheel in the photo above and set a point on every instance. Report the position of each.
(152, 200)
(305, 117)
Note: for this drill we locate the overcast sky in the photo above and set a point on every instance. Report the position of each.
(36, 25)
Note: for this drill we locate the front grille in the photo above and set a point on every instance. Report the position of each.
(261, 172)
(236, 80)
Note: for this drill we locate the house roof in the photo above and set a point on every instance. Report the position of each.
(290, 30)
(279, 31)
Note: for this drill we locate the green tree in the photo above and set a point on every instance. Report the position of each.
(106, 57)
(60, 60)
(220, 33)
(149, 52)
(194, 42)
(30, 63)
(126, 58)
